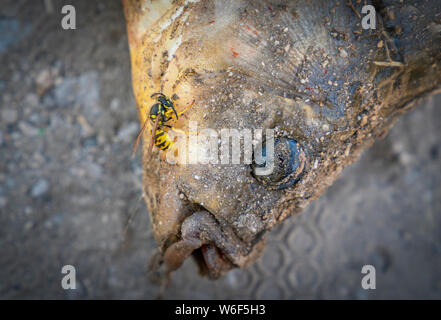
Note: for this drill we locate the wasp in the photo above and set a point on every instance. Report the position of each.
(160, 113)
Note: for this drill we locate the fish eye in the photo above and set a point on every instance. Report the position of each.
(283, 169)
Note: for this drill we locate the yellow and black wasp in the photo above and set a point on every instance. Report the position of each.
(160, 113)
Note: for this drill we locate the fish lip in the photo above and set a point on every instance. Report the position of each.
(214, 271)
(195, 239)
(215, 247)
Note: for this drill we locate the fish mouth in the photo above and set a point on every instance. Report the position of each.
(215, 247)
(212, 262)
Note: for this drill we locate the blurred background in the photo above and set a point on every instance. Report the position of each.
(71, 194)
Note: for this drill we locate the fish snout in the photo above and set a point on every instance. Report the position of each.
(216, 248)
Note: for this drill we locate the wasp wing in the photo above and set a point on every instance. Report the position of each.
(138, 138)
(152, 137)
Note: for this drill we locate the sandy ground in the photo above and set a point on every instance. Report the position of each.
(70, 194)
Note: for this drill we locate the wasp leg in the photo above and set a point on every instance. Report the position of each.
(183, 111)
(181, 131)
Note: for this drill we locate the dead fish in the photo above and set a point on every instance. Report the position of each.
(304, 69)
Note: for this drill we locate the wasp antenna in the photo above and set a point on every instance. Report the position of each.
(157, 94)
(174, 110)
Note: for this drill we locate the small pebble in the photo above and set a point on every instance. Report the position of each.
(40, 188)
(115, 104)
(28, 129)
(28, 225)
(343, 53)
(9, 115)
(32, 100)
(94, 170)
(28, 211)
(44, 81)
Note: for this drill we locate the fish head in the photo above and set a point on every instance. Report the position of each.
(280, 102)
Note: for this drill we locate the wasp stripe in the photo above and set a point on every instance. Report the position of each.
(164, 145)
(161, 139)
(159, 144)
(168, 144)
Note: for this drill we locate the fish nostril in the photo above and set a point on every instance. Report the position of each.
(287, 162)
